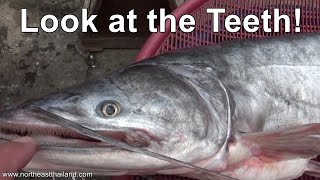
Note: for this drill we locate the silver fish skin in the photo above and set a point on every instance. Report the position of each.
(176, 105)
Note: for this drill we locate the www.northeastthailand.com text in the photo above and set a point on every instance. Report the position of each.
(46, 174)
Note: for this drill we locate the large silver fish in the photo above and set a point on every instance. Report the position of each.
(247, 109)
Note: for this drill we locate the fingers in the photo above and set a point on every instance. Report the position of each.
(15, 155)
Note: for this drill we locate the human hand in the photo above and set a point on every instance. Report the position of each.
(15, 155)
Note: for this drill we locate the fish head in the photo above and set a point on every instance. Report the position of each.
(144, 106)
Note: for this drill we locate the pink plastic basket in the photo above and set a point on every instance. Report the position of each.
(160, 43)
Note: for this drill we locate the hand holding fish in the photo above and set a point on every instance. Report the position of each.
(16, 154)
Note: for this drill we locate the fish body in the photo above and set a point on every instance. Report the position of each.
(248, 109)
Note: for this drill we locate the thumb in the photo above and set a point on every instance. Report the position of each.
(15, 155)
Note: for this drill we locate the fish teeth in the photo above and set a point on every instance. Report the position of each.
(136, 140)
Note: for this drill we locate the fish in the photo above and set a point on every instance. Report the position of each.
(242, 109)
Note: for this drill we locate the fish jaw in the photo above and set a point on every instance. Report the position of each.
(60, 148)
(26, 121)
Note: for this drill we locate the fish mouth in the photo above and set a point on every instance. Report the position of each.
(18, 123)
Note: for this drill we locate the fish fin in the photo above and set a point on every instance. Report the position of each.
(313, 169)
(301, 141)
(279, 154)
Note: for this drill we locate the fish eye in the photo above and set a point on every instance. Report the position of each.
(110, 109)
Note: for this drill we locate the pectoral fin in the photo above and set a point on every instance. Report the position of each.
(280, 154)
(299, 141)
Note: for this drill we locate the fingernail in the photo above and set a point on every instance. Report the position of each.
(24, 140)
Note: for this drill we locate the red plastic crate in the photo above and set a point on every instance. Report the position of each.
(160, 43)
